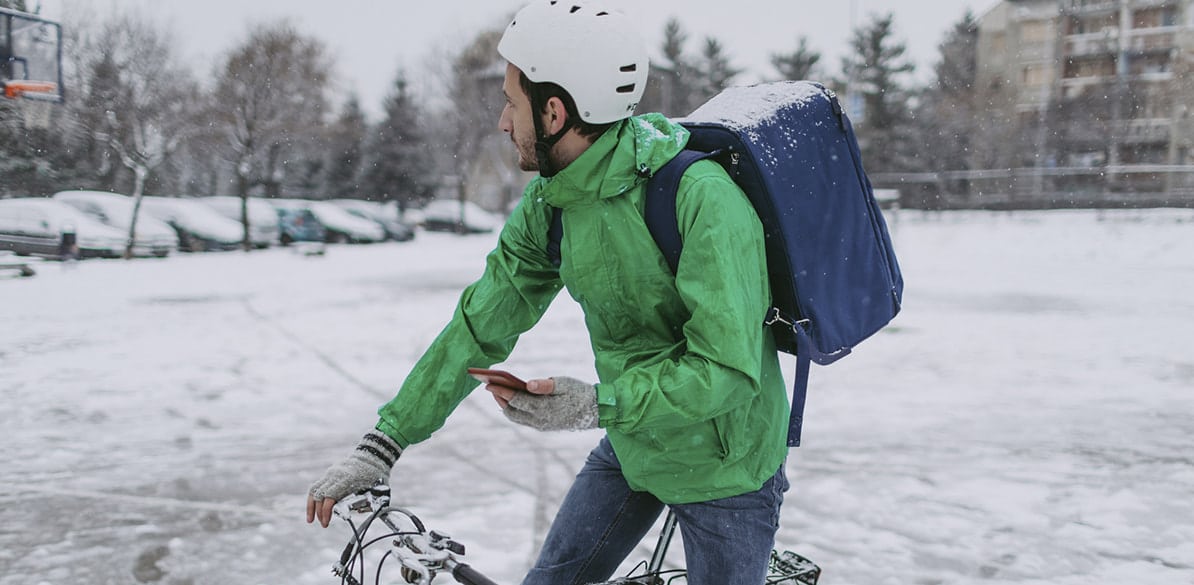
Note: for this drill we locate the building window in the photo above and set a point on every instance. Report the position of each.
(1083, 25)
(1102, 67)
(1035, 31)
(998, 43)
(1036, 75)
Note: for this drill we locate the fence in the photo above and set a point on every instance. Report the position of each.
(1043, 188)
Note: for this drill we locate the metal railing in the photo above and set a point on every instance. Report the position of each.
(1141, 185)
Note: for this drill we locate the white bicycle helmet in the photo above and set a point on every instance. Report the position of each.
(596, 54)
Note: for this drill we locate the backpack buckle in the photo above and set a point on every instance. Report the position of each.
(774, 316)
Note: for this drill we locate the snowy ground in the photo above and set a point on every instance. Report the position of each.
(1027, 419)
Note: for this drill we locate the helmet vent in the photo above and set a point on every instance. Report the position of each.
(574, 9)
(629, 88)
(602, 13)
(631, 68)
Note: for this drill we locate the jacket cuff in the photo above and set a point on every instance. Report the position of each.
(607, 405)
(392, 433)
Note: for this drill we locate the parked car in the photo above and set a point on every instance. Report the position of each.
(395, 228)
(44, 227)
(447, 215)
(199, 227)
(298, 224)
(154, 237)
(263, 218)
(338, 225)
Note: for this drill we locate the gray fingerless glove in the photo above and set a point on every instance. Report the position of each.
(368, 465)
(572, 406)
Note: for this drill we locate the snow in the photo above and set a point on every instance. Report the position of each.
(1027, 418)
(748, 106)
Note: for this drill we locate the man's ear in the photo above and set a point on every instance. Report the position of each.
(555, 116)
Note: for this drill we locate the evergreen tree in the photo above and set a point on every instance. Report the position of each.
(678, 76)
(799, 64)
(874, 72)
(958, 67)
(32, 160)
(101, 95)
(347, 142)
(714, 72)
(948, 120)
(399, 164)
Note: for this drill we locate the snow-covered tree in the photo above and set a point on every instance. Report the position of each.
(140, 101)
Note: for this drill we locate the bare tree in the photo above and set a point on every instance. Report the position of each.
(270, 98)
(476, 100)
(141, 101)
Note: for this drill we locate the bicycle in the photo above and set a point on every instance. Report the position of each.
(424, 554)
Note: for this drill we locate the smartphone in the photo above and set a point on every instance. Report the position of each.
(499, 377)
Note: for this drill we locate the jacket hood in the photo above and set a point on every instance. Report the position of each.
(625, 155)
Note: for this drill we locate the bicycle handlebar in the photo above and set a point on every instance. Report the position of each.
(422, 554)
(470, 576)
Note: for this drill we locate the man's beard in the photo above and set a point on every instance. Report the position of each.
(527, 159)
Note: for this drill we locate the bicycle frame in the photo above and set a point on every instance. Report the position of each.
(786, 567)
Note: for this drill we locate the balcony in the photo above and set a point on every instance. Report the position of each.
(1152, 40)
(1155, 130)
(1095, 44)
(1090, 6)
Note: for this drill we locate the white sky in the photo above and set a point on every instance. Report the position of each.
(372, 40)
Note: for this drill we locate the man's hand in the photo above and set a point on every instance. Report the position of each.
(368, 465)
(554, 404)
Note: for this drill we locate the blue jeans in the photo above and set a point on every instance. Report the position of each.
(726, 541)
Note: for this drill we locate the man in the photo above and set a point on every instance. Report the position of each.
(690, 393)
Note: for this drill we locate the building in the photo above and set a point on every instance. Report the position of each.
(1099, 91)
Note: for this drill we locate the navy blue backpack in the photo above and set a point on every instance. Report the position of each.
(834, 276)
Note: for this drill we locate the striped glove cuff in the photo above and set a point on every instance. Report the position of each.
(376, 444)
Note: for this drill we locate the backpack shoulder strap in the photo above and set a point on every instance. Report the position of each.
(660, 212)
(660, 206)
(555, 233)
(660, 215)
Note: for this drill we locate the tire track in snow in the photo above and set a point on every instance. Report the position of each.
(323, 357)
(157, 501)
(542, 454)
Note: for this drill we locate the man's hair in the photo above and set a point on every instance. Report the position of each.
(541, 92)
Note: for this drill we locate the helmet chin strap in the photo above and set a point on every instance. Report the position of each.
(545, 142)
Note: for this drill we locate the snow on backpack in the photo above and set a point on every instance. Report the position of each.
(834, 276)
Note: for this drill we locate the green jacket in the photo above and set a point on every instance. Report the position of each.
(689, 391)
